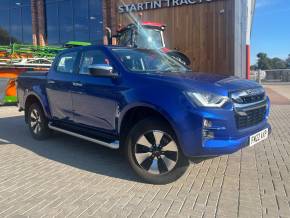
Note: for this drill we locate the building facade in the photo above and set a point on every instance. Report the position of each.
(214, 34)
(51, 22)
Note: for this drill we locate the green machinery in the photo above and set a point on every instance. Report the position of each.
(17, 58)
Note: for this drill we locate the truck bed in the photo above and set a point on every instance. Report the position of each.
(29, 82)
(34, 74)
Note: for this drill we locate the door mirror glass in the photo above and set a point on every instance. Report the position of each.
(102, 70)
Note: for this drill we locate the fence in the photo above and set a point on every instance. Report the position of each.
(280, 75)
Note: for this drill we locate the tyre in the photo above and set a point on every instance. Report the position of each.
(154, 153)
(182, 58)
(37, 122)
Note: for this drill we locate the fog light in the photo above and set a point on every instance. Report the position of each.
(208, 134)
(207, 123)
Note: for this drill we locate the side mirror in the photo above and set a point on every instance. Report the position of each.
(102, 70)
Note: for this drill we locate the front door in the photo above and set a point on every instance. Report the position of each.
(94, 98)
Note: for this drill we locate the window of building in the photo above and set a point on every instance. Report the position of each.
(4, 27)
(15, 21)
(66, 21)
(81, 20)
(26, 25)
(52, 25)
(96, 21)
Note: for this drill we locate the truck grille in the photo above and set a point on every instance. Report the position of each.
(253, 98)
(252, 117)
(248, 96)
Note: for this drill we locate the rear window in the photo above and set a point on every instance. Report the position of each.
(66, 62)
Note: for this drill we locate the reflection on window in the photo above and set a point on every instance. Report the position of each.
(68, 20)
(15, 21)
(52, 26)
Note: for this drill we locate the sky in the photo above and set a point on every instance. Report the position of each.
(271, 29)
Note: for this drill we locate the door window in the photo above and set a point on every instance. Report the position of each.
(66, 62)
(125, 39)
(92, 57)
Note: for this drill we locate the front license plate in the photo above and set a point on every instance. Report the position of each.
(258, 137)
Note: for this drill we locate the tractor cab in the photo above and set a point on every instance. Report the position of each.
(145, 35)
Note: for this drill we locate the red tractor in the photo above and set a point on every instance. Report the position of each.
(146, 35)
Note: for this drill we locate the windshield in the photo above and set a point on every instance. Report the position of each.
(149, 38)
(146, 60)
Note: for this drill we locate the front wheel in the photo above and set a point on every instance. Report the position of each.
(154, 153)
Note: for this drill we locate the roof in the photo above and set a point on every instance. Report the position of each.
(155, 24)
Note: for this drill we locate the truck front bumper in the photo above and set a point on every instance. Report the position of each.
(224, 137)
(216, 147)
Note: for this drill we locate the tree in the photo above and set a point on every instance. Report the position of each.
(5, 38)
(277, 63)
(264, 63)
(254, 67)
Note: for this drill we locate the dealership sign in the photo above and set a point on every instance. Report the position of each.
(149, 5)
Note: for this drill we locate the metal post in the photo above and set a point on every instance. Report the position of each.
(259, 76)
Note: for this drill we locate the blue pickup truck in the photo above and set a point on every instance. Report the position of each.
(141, 101)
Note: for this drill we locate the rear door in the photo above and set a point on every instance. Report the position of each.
(94, 98)
(59, 86)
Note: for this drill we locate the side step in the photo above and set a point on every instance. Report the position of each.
(113, 145)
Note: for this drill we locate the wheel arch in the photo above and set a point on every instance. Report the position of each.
(139, 112)
(30, 99)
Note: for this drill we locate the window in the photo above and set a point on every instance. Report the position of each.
(96, 21)
(149, 38)
(15, 21)
(70, 20)
(92, 57)
(153, 61)
(4, 27)
(125, 39)
(27, 26)
(81, 20)
(66, 21)
(16, 25)
(66, 62)
(52, 25)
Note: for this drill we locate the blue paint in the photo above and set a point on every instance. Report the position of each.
(102, 103)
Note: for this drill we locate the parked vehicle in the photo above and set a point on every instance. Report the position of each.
(146, 103)
(149, 35)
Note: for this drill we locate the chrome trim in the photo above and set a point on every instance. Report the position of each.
(113, 145)
(245, 106)
(77, 84)
(236, 96)
(105, 67)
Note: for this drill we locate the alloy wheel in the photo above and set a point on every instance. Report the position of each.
(35, 121)
(156, 152)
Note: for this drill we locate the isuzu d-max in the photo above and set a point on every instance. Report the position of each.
(142, 101)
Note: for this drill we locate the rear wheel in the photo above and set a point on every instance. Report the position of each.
(153, 152)
(37, 122)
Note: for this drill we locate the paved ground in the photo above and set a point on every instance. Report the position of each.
(64, 176)
(279, 93)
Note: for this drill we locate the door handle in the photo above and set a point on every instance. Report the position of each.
(77, 84)
(51, 82)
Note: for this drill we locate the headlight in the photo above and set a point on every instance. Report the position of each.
(207, 99)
